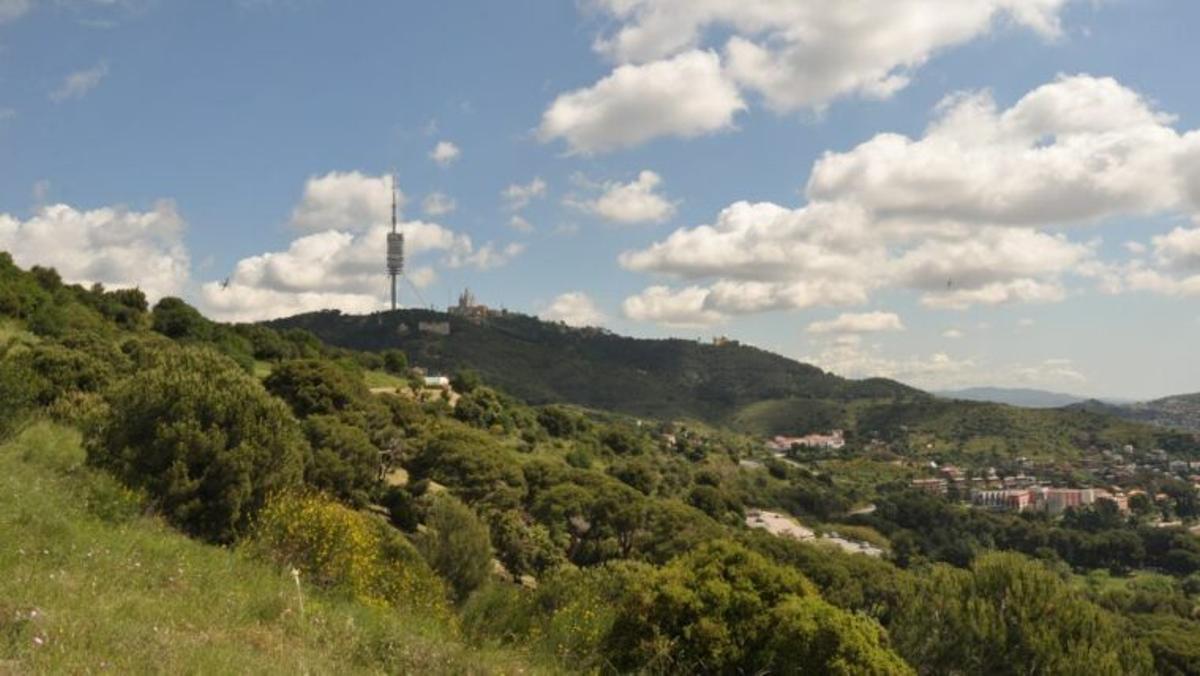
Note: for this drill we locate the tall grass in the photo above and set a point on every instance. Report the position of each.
(88, 582)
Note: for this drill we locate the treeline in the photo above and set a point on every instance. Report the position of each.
(595, 542)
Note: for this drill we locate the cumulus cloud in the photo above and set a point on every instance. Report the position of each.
(866, 322)
(683, 308)
(1009, 183)
(77, 85)
(1074, 151)
(438, 204)
(350, 201)
(795, 55)
(574, 308)
(851, 359)
(953, 334)
(518, 196)
(684, 96)
(1179, 249)
(114, 246)
(630, 203)
(445, 153)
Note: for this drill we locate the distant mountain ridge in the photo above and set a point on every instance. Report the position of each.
(1013, 396)
(544, 362)
(1180, 412)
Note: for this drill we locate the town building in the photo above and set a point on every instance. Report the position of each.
(834, 440)
(937, 486)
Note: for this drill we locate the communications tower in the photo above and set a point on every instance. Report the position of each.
(395, 247)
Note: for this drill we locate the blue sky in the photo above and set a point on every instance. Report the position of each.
(1002, 193)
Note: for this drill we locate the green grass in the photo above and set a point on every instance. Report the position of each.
(262, 369)
(11, 329)
(88, 583)
(383, 379)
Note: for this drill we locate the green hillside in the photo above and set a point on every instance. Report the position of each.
(1180, 412)
(181, 495)
(743, 388)
(88, 584)
(543, 362)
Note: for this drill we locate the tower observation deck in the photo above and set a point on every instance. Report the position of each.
(395, 248)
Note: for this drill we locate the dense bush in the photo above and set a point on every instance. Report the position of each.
(177, 320)
(523, 547)
(473, 465)
(1011, 615)
(205, 441)
(724, 609)
(334, 547)
(20, 388)
(456, 544)
(395, 362)
(343, 462)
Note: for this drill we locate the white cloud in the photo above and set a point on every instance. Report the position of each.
(1179, 249)
(684, 308)
(110, 245)
(939, 370)
(445, 153)
(438, 204)
(685, 96)
(853, 360)
(795, 55)
(1025, 322)
(519, 224)
(518, 196)
(866, 322)
(630, 203)
(349, 201)
(574, 308)
(953, 334)
(78, 84)
(1075, 152)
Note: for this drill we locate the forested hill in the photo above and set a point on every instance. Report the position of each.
(547, 362)
(1179, 412)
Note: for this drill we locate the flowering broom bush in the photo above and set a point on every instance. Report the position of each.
(337, 548)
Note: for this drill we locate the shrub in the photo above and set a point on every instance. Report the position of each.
(395, 362)
(177, 320)
(722, 608)
(204, 440)
(473, 465)
(344, 462)
(524, 548)
(1011, 615)
(19, 390)
(456, 544)
(337, 548)
(402, 508)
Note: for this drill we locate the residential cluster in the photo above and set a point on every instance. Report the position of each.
(834, 440)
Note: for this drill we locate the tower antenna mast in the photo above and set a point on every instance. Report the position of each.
(395, 246)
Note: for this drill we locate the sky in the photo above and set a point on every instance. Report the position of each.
(983, 192)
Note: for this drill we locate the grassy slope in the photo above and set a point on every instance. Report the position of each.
(87, 583)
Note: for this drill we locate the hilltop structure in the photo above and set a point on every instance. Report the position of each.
(469, 308)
